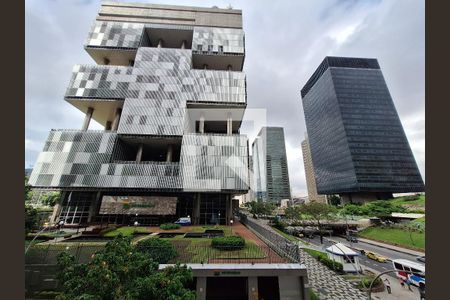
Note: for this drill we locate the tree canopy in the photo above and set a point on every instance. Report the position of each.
(51, 199)
(261, 208)
(28, 192)
(122, 271)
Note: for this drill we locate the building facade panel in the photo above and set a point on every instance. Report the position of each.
(214, 162)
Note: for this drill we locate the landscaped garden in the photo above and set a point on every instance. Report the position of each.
(193, 244)
(127, 231)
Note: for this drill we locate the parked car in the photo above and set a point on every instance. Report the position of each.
(421, 258)
(376, 257)
(183, 221)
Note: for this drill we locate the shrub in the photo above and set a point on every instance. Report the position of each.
(366, 282)
(278, 224)
(228, 243)
(169, 226)
(331, 264)
(159, 250)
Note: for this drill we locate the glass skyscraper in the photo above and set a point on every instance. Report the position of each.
(358, 145)
(270, 169)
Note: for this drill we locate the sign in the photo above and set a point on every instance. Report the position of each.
(142, 205)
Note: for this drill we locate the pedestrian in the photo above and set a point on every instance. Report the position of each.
(388, 285)
(422, 290)
(408, 283)
(402, 282)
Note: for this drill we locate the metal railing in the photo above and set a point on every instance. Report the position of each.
(186, 252)
(275, 241)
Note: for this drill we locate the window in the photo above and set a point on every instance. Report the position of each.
(199, 47)
(220, 49)
(210, 48)
(349, 259)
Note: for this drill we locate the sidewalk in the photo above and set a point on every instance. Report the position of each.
(398, 292)
(391, 247)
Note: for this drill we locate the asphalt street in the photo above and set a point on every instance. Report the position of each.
(364, 260)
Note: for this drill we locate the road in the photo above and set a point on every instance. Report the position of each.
(364, 260)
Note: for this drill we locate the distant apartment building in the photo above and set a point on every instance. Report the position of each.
(309, 175)
(358, 146)
(169, 89)
(270, 169)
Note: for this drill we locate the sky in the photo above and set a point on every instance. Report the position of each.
(285, 42)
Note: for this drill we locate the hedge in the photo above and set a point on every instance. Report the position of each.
(228, 243)
(331, 264)
(169, 226)
(160, 250)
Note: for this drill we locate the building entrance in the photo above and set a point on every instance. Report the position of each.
(226, 288)
(268, 288)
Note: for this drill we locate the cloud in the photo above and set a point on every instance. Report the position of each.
(285, 42)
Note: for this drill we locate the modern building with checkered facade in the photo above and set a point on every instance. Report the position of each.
(358, 146)
(169, 89)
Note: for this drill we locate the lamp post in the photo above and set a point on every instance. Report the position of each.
(369, 292)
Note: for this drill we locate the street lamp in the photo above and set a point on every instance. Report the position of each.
(369, 292)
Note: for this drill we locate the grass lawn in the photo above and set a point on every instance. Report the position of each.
(127, 231)
(197, 250)
(286, 235)
(395, 236)
(402, 201)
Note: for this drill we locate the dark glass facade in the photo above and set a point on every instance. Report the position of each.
(270, 165)
(356, 138)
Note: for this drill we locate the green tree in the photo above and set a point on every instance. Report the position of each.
(335, 200)
(31, 218)
(28, 191)
(318, 212)
(51, 199)
(261, 208)
(159, 250)
(121, 271)
(293, 212)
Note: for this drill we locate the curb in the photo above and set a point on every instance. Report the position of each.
(382, 245)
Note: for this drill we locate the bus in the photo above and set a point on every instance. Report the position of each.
(418, 271)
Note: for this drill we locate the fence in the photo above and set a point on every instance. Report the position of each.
(186, 253)
(278, 243)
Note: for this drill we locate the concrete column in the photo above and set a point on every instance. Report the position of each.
(201, 125)
(116, 121)
(230, 67)
(229, 124)
(108, 125)
(183, 44)
(169, 153)
(205, 66)
(228, 209)
(131, 62)
(93, 206)
(87, 118)
(196, 209)
(253, 288)
(57, 209)
(139, 153)
(201, 288)
(160, 43)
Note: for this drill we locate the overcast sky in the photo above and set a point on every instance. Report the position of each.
(285, 42)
